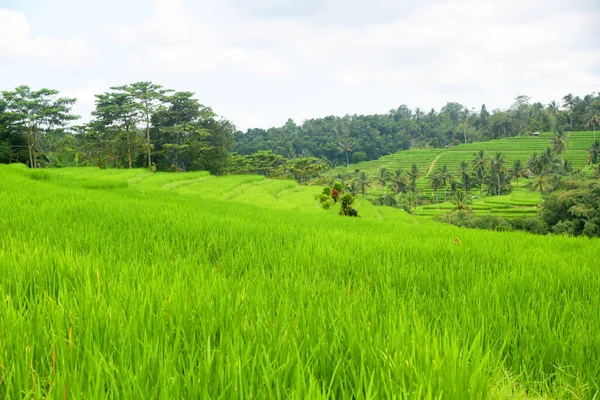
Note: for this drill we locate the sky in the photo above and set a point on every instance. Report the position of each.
(260, 62)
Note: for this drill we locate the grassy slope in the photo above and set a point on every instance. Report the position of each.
(522, 203)
(520, 147)
(185, 286)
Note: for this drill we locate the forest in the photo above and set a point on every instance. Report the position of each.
(356, 138)
(145, 125)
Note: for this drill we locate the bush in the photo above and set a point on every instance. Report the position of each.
(338, 186)
(530, 224)
(359, 156)
(346, 206)
(323, 198)
(327, 191)
(326, 205)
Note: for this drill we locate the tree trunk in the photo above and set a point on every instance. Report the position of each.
(347, 159)
(148, 143)
(498, 193)
(30, 149)
(35, 165)
(129, 148)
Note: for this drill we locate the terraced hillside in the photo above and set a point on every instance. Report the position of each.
(248, 189)
(520, 147)
(129, 285)
(520, 203)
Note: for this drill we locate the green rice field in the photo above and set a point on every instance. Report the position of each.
(130, 285)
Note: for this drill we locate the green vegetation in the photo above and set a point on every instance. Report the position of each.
(360, 138)
(230, 287)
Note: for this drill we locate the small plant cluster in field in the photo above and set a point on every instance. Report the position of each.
(333, 195)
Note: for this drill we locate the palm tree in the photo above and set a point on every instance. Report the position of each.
(540, 181)
(497, 168)
(345, 147)
(568, 104)
(398, 181)
(465, 117)
(461, 201)
(435, 180)
(549, 161)
(382, 177)
(559, 143)
(414, 174)
(594, 153)
(479, 166)
(353, 188)
(446, 178)
(363, 182)
(553, 109)
(593, 121)
(464, 173)
(517, 171)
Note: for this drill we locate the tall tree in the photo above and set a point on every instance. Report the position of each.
(382, 177)
(413, 175)
(593, 121)
(559, 142)
(497, 170)
(363, 181)
(568, 104)
(398, 181)
(435, 180)
(594, 153)
(465, 176)
(345, 147)
(116, 111)
(480, 166)
(148, 97)
(552, 109)
(37, 112)
(517, 170)
(446, 177)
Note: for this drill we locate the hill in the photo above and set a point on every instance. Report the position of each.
(122, 283)
(521, 202)
(514, 148)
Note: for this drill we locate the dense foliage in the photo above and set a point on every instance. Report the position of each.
(356, 138)
(137, 125)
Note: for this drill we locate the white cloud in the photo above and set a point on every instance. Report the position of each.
(85, 98)
(17, 44)
(258, 62)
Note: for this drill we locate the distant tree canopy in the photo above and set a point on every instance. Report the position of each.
(358, 138)
(132, 126)
(144, 125)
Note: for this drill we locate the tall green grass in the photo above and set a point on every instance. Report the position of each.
(190, 291)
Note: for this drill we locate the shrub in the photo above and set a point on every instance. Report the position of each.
(346, 206)
(326, 205)
(338, 186)
(530, 224)
(335, 194)
(327, 191)
(323, 198)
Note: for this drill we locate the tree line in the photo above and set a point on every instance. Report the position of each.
(132, 126)
(356, 138)
(145, 125)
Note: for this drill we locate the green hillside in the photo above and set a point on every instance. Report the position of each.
(519, 147)
(522, 202)
(126, 284)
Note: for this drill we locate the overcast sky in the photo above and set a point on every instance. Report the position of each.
(258, 62)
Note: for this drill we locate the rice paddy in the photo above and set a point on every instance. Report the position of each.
(125, 284)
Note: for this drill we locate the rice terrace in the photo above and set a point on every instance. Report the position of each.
(259, 214)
